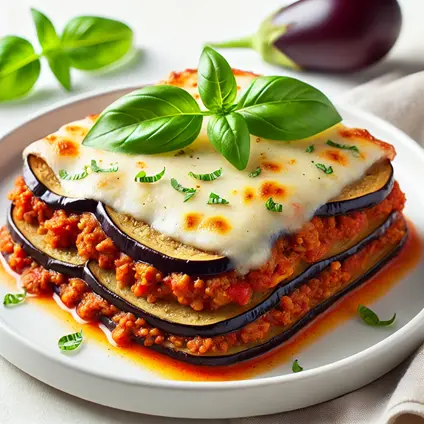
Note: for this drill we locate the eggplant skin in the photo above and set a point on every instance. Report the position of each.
(337, 35)
(275, 341)
(225, 326)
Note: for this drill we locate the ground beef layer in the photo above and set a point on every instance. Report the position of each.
(83, 231)
(89, 306)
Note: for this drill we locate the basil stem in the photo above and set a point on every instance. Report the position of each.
(70, 341)
(371, 318)
(11, 299)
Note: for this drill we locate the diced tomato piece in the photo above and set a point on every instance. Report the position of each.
(240, 293)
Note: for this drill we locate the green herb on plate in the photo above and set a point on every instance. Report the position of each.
(207, 177)
(296, 367)
(371, 318)
(141, 177)
(70, 341)
(189, 192)
(12, 299)
(256, 172)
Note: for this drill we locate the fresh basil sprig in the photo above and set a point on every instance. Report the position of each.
(371, 318)
(87, 43)
(165, 118)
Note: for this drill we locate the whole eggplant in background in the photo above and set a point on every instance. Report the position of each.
(326, 35)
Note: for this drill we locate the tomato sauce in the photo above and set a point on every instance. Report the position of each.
(170, 368)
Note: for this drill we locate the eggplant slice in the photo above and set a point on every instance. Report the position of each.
(278, 335)
(170, 316)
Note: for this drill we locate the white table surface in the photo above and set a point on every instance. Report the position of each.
(169, 36)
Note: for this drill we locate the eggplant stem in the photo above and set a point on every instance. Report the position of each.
(246, 43)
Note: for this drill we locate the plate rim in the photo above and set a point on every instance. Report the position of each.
(338, 365)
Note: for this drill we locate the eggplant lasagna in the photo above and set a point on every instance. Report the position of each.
(210, 283)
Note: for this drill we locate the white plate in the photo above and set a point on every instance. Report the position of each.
(342, 360)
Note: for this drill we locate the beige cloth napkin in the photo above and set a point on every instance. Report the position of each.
(396, 398)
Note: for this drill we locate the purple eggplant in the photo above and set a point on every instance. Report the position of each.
(326, 35)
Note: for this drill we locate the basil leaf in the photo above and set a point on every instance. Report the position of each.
(230, 136)
(272, 206)
(207, 177)
(19, 67)
(50, 41)
(154, 119)
(326, 169)
(214, 199)
(256, 172)
(11, 299)
(371, 318)
(296, 367)
(354, 149)
(189, 192)
(216, 82)
(91, 42)
(96, 168)
(310, 149)
(70, 341)
(141, 177)
(284, 108)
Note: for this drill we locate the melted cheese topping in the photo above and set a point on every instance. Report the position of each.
(244, 229)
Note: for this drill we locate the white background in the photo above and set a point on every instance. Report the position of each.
(169, 36)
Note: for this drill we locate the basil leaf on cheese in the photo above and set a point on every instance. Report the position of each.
(216, 82)
(272, 206)
(207, 177)
(96, 168)
(256, 172)
(371, 318)
(63, 174)
(214, 199)
(154, 119)
(189, 192)
(324, 168)
(141, 177)
(230, 136)
(353, 149)
(310, 149)
(284, 108)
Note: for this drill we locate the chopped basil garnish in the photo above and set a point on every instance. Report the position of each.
(214, 199)
(310, 149)
(255, 173)
(14, 299)
(296, 367)
(353, 149)
(95, 168)
(70, 341)
(323, 168)
(272, 206)
(371, 318)
(189, 192)
(141, 177)
(78, 176)
(207, 177)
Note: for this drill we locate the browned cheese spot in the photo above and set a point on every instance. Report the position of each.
(217, 224)
(65, 147)
(272, 166)
(272, 189)
(249, 194)
(335, 156)
(192, 221)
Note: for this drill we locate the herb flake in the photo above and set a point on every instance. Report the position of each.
(70, 341)
(296, 367)
(353, 149)
(189, 192)
(141, 177)
(12, 299)
(272, 206)
(214, 199)
(310, 149)
(371, 318)
(95, 168)
(63, 175)
(256, 172)
(326, 169)
(207, 177)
